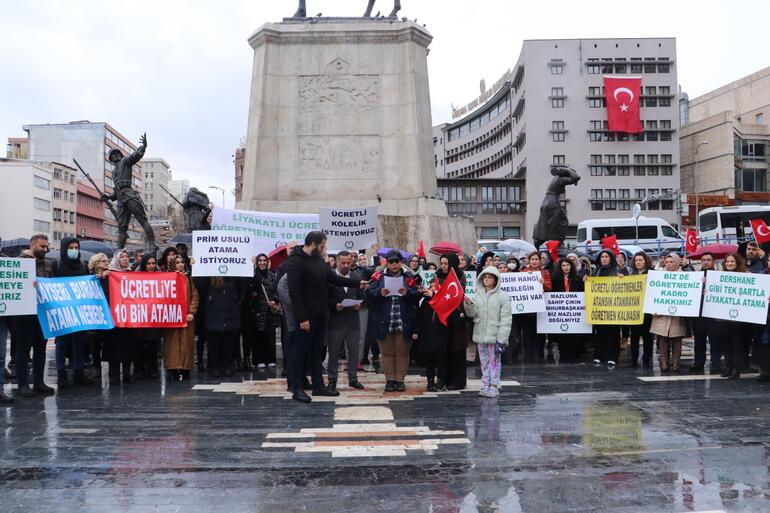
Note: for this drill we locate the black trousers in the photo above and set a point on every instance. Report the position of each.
(436, 367)
(221, 348)
(641, 331)
(146, 361)
(260, 346)
(533, 342)
(30, 337)
(569, 347)
(735, 339)
(707, 329)
(305, 342)
(607, 343)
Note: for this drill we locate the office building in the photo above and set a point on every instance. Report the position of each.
(493, 161)
(157, 176)
(26, 199)
(727, 137)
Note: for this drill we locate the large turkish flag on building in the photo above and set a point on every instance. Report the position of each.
(622, 97)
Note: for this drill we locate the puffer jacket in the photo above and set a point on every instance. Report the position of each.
(491, 312)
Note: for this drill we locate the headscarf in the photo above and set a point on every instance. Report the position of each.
(454, 263)
(115, 262)
(69, 266)
(259, 272)
(606, 270)
(576, 264)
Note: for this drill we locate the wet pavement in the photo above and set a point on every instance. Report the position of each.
(559, 438)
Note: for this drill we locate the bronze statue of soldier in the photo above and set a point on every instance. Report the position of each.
(552, 223)
(302, 9)
(129, 202)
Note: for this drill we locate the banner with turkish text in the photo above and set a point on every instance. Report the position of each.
(740, 297)
(17, 293)
(270, 230)
(148, 300)
(565, 314)
(616, 299)
(349, 228)
(221, 253)
(622, 96)
(69, 305)
(676, 294)
(525, 290)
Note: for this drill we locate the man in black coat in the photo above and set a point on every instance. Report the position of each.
(309, 278)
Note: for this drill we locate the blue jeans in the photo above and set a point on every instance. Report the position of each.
(3, 341)
(77, 342)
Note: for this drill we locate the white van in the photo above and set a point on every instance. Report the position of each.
(722, 224)
(655, 234)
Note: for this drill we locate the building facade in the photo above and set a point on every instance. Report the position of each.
(727, 137)
(17, 148)
(90, 213)
(550, 111)
(89, 143)
(239, 159)
(157, 176)
(65, 203)
(26, 199)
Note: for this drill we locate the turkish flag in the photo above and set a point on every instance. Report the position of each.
(761, 231)
(553, 250)
(448, 297)
(421, 249)
(691, 240)
(611, 243)
(622, 96)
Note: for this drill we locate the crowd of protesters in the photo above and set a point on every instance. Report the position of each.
(338, 307)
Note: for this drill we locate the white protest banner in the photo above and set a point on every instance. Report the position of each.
(223, 253)
(17, 294)
(736, 296)
(427, 277)
(565, 313)
(525, 291)
(347, 229)
(470, 283)
(269, 230)
(673, 293)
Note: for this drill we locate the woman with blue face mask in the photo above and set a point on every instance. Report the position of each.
(72, 345)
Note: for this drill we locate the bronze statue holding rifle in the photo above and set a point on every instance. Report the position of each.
(129, 202)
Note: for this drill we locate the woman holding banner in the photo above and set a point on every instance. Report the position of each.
(669, 329)
(118, 347)
(566, 279)
(735, 335)
(221, 300)
(641, 263)
(607, 336)
(456, 322)
(258, 319)
(179, 343)
(168, 260)
(98, 265)
(534, 343)
(147, 340)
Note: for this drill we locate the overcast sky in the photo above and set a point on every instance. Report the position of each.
(180, 69)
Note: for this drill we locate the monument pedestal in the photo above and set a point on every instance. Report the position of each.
(340, 117)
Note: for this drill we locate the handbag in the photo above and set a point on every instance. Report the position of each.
(275, 308)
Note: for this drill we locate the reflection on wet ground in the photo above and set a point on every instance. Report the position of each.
(571, 438)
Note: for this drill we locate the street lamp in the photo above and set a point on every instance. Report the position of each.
(223, 193)
(695, 187)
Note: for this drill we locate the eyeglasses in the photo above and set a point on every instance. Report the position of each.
(394, 261)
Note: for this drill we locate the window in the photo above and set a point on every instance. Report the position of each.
(557, 91)
(649, 67)
(557, 131)
(41, 226)
(760, 119)
(557, 125)
(653, 205)
(596, 199)
(41, 204)
(610, 194)
(595, 103)
(511, 232)
(42, 183)
(559, 160)
(663, 67)
(620, 66)
(487, 196)
(625, 202)
(595, 136)
(594, 91)
(751, 180)
(595, 125)
(557, 103)
(557, 69)
(636, 67)
(57, 214)
(593, 67)
(667, 204)
(651, 99)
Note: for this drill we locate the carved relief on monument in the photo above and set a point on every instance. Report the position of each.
(341, 156)
(344, 93)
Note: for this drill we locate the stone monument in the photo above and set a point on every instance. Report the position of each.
(340, 116)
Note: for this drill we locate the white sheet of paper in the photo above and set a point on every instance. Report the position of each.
(347, 303)
(394, 285)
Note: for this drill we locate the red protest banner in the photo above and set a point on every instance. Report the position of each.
(148, 300)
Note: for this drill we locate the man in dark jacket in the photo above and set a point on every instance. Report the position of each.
(344, 323)
(69, 264)
(31, 336)
(309, 277)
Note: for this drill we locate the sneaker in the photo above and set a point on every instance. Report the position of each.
(271, 365)
(390, 386)
(261, 366)
(356, 384)
(484, 392)
(597, 362)
(301, 396)
(610, 364)
(325, 392)
(494, 391)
